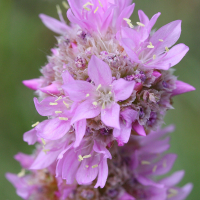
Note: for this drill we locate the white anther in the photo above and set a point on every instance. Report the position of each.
(154, 57)
(85, 6)
(65, 5)
(94, 166)
(53, 104)
(103, 106)
(87, 156)
(160, 40)
(86, 166)
(22, 173)
(94, 103)
(110, 93)
(45, 150)
(34, 125)
(167, 49)
(60, 97)
(100, 3)
(87, 95)
(58, 9)
(140, 24)
(173, 193)
(144, 162)
(43, 141)
(80, 158)
(150, 46)
(63, 118)
(58, 112)
(99, 86)
(67, 105)
(96, 9)
(128, 21)
(154, 168)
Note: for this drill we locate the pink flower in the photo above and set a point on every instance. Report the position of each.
(153, 51)
(84, 163)
(101, 96)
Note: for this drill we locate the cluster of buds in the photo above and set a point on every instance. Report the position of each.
(105, 90)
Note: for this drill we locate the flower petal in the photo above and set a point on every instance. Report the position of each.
(110, 117)
(139, 129)
(53, 24)
(33, 84)
(86, 110)
(80, 127)
(52, 89)
(78, 90)
(123, 89)
(30, 136)
(182, 87)
(99, 71)
(53, 129)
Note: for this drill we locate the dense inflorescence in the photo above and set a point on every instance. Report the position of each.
(106, 83)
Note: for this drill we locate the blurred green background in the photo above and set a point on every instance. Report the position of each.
(24, 45)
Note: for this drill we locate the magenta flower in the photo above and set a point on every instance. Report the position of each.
(100, 98)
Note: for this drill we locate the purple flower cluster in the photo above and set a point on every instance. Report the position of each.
(105, 90)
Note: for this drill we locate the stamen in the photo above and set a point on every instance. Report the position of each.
(53, 104)
(85, 6)
(128, 22)
(67, 105)
(154, 57)
(154, 168)
(87, 156)
(150, 46)
(58, 9)
(80, 158)
(144, 162)
(57, 112)
(110, 93)
(65, 5)
(100, 3)
(161, 40)
(94, 103)
(87, 166)
(60, 97)
(63, 118)
(34, 125)
(45, 150)
(43, 141)
(164, 163)
(140, 24)
(22, 173)
(167, 49)
(87, 95)
(103, 106)
(94, 166)
(173, 193)
(99, 86)
(96, 10)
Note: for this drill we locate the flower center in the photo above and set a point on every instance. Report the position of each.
(104, 96)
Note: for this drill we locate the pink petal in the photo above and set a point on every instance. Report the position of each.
(52, 89)
(169, 33)
(182, 87)
(53, 129)
(153, 21)
(101, 149)
(80, 128)
(139, 129)
(126, 196)
(143, 17)
(126, 13)
(44, 160)
(67, 78)
(174, 179)
(86, 110)
(148, 182)
(110, 117)
(78, 90)
(123, 89)
(33, 84)
(99, 71)
(25, 160)
(30, 137)
(129, 115)
(103, 174)
(54, 25)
